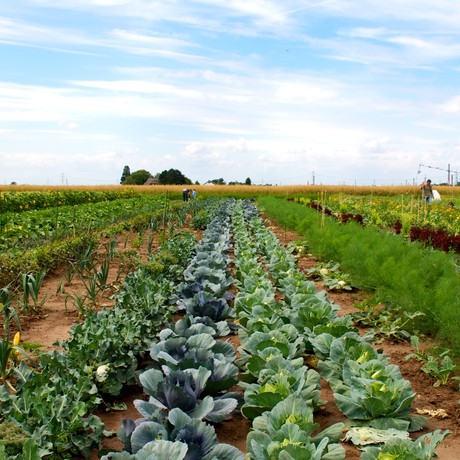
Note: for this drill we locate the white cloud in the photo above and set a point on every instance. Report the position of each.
(156, 40)
(452, 105)
(376, 146)
(137, 86)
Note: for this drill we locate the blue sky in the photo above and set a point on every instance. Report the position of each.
(284, 92)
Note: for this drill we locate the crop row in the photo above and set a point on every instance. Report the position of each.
(14, 201)
(191, 369)
(428, 230)
(275, 336)
(404, 211)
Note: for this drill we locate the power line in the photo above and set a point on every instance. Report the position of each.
(448, 170)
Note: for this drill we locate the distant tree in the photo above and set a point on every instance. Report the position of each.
(173, 177)
(248, 181)
(218, 181)
(137, 177)
(126, 172)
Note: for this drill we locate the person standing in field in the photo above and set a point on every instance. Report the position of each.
(193, 193)
(185, 194)
(427, 191)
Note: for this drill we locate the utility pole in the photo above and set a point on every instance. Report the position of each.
(313, 182)
(450, 172)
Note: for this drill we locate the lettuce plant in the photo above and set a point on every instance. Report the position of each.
(366, 387)
(261, 296)
(334, 352)
(313, 311)
(294, 284)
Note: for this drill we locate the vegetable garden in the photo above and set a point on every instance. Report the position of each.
(206, 327)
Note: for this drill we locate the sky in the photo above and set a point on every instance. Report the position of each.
(354, 92)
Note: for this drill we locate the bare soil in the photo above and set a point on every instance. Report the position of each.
(56, 317)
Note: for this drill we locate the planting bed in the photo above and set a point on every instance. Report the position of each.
(55, 321)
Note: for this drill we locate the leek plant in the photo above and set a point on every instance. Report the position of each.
(31, 284)
(84, 260)
(92, 287)
(101, 276)
(79, 303)
(150, 244)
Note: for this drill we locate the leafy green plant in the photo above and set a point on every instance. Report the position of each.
(286, 432)
(101, 276)
(402, 273)
(92, 286)
(386, 321)
(178, 437)
(9, 352)
(150, 242)
(323, 269)
(7, 309)
(342, 282)
(200, 220)
(440, 368)
(367, 388)
(417, 352)
(437, 365)
(54, 406)
(298, 248)
(422, 448)
(186, 390)
(78, 302)
(274, 387)
(197, 350)
(31, 284)
(285, 339)
(14, 439)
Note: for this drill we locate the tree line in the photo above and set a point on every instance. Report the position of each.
(166, 177)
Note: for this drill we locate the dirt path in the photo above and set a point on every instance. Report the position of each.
(56, 319)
